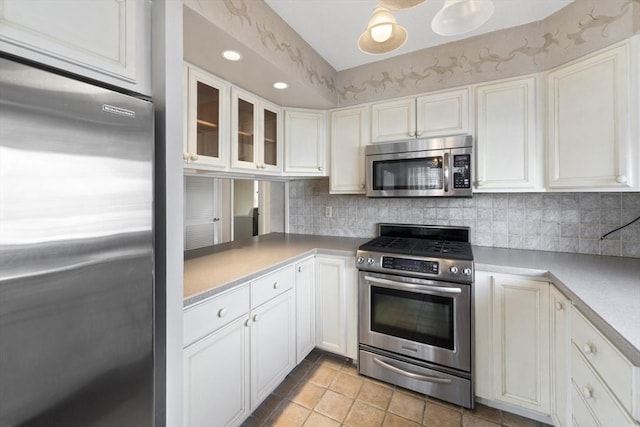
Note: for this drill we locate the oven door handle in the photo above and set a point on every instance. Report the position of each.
(411, 375)
(446, 172)
(415, 288)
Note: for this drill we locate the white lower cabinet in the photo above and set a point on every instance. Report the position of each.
(273, 349)
(606, 385)
(559, 316)
(216, 378)
(512, 341)
(230, 371)
(336, 305)
(305, 308)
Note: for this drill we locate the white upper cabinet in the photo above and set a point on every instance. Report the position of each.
(436, 114)
(256, 133)
(443, 113)
(592, 121)
(509, 150)
(305, 143)
(349, 135)
(207, 121)
(106, 40)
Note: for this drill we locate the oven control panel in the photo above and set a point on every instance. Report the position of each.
(420, 267)
(408, 264)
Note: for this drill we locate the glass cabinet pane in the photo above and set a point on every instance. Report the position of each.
(245, 131)
(270, 138)
(207, 135)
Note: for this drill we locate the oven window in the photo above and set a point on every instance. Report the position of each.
(423, 318)
(425, 173)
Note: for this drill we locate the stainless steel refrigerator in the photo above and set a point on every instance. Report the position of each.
(76, 253)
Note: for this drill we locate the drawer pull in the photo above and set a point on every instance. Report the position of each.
(559, 306)
(222, 312)
(276, 285)
(587, 392)
(589, 349)
(300, 269)
(256, 318)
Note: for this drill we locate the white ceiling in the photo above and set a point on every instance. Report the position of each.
(332, 27)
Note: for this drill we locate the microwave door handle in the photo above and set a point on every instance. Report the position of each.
(415, 288)
(446, 172)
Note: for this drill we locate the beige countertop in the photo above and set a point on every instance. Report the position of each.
(605, 289)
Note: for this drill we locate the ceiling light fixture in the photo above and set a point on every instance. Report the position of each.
(399, 4)
(383, 34)
(461, 16)
(231, 55)
(280, 85)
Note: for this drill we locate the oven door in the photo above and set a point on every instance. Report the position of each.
(423, 319)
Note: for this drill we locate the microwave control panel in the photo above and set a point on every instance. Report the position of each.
(462, 171)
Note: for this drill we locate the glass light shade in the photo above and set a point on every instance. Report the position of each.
(383, 34)
(461, 16)
(399, 4)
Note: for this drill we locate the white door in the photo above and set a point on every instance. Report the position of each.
(331, 309)
(393, 120)
(508, 147)
(589, 119)
(216, 378)
(443, 113)
(559, 307)
(305, 308)
(273, 347)
(305, 143)
(520, 332)
(349, 136)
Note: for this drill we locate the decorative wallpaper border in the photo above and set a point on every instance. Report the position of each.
(579, 28)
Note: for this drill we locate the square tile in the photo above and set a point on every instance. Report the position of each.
(346, 384)
(334, 405)
(289, 414)
(407, 406)
(363, 415)
(441, 416)
(375, 394)
(321, 375)
(319, 420)
(391, 420)
(307, 394)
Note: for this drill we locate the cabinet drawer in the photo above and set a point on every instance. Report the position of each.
(272, 285)
(616, 371)
(597, 397)
(214, 313)
(581, 414)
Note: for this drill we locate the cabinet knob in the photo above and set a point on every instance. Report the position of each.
(589, 349)
(412, 133)
(480, 183)
(222, 312)
(320, 168)
(215, 219)
(419, 133)
(256, 317)
(247, 322)
(587, 392)
(621, 179)
(276, 285)
(185, 156)
(194, 157)
(559, 306)
(362, 186)
(300, 269)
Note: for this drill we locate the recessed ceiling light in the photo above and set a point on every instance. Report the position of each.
(232, 55)
(280, 85)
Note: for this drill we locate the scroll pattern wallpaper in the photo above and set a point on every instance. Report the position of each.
(581, 27)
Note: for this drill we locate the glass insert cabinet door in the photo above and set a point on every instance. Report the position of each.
(207, 111)
(256, 129)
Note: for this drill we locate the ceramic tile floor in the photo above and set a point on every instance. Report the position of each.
(325, 390)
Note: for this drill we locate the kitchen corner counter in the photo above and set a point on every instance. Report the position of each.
(606, 289)
(207, 273)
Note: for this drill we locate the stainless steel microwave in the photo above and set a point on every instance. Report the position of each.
(420, 167)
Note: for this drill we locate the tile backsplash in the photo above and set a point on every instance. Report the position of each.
(560, 222)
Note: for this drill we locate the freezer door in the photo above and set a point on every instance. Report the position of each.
(76, 253)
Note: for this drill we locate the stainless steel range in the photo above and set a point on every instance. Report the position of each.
(416, 310)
